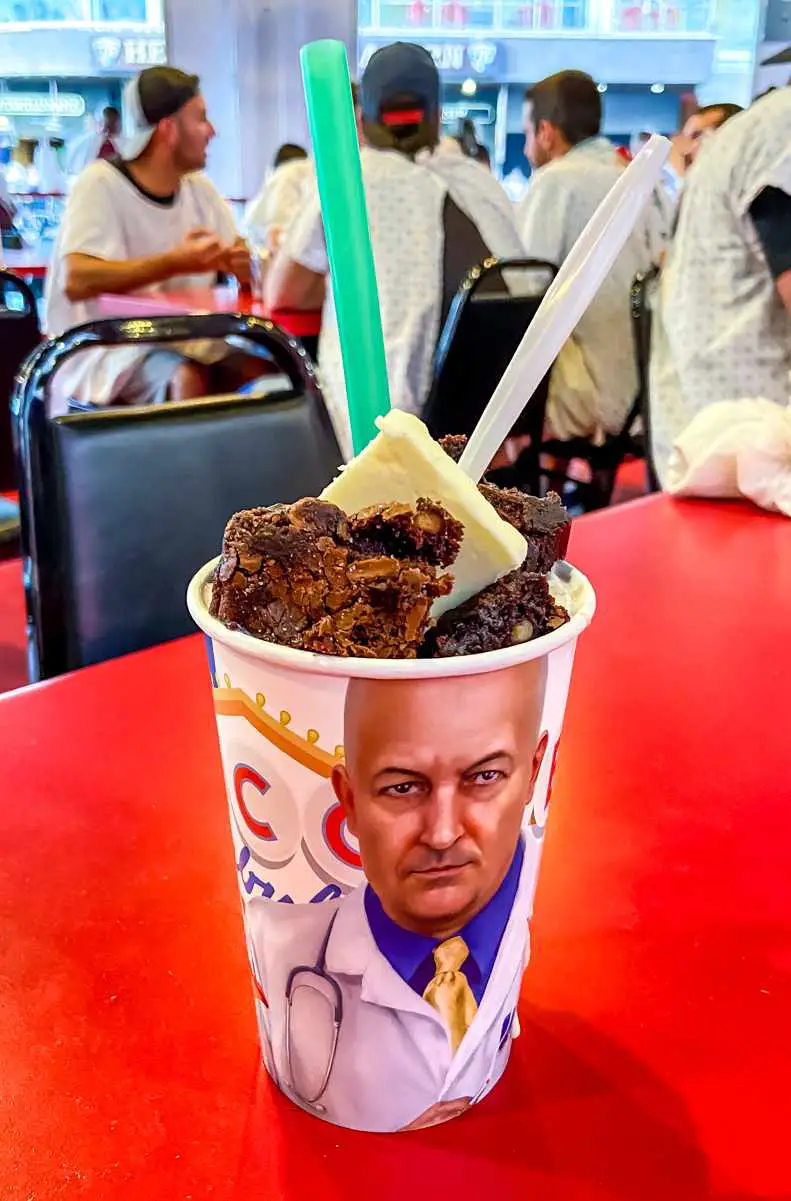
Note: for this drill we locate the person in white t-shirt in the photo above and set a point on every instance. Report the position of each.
(432, 218)
(148, 221)
(270, 214)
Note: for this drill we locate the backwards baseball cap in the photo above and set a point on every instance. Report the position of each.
(400, 86)
(156, 93)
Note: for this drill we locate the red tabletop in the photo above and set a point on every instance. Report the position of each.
(655, 1055)
(13, 661)
(212, 300)
(31, 262)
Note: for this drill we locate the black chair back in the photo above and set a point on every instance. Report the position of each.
(121, 506)
(481, 335)
(19, 336)
(642, 290)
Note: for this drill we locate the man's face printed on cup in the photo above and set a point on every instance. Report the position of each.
(437, 777)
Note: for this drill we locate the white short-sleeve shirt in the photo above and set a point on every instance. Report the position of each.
(108, 217)
(720, 330)
(280, 199)
(594, 383)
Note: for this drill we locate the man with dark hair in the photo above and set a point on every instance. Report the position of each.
(147, 220)
(565, 109)
(432, 218)
(289, 153)
(594, 380)
(700, 126)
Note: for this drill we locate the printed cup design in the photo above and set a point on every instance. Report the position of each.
(387, 822)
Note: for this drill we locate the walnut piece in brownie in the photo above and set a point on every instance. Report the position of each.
(309, 577)
(545, 523)
(516, 609)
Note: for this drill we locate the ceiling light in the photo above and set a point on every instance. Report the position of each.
(657, 88)
(469, 87)
(602, 87)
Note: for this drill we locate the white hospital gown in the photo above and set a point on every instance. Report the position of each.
(594, 381)
(720, 330)
(406, 203)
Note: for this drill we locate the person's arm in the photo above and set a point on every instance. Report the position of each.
(289, 285)
(237, 261)
(771, 214)
(296, 279)
(216, 216)
(88, 276)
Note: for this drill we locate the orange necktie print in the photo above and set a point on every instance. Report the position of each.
(449, 992)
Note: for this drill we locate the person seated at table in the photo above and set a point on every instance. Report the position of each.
(594, 381)
(145, 222)
(722, 325)
(430, 223)
(270, 214)
(686, 146)
(9, 236)
(102, 142)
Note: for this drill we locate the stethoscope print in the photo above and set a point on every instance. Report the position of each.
(293, 985)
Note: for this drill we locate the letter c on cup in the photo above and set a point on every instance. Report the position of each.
(265, 814)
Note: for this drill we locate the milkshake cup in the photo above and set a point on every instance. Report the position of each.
(387, 822)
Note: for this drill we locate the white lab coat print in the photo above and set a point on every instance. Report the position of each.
(393, 1060)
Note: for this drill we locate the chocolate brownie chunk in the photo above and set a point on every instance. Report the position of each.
(308, 577)
(427, 532)
(516, 609)
(454, 445)
(545, 522)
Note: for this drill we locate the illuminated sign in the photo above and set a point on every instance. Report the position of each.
(111, 53)
(483, 114)
(483, 58)
(41, 104)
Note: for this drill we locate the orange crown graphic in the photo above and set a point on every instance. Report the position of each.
(234, 702)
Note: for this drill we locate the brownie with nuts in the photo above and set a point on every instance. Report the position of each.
(309, 577)
(544, 522)
(515, 609)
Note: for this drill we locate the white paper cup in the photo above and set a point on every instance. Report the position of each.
(339, 966)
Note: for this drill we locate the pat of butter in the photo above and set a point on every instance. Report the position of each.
(403, 464)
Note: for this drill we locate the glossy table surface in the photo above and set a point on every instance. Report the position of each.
(30, 261)
(13, 665)
(656, 1047)
(210, 300)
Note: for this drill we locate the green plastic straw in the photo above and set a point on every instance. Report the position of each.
(328, 92)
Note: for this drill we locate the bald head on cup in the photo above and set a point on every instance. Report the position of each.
(437, 777)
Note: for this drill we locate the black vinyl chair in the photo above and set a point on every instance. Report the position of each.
(120, 506)
(20, 334)
(483, 330)
(604, 461)
(643, 289)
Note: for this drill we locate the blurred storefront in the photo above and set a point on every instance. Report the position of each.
(647, 55)
(61, 63)
(774, 63)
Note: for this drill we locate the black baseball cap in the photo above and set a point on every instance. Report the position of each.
(156, 93)
(400, 86)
